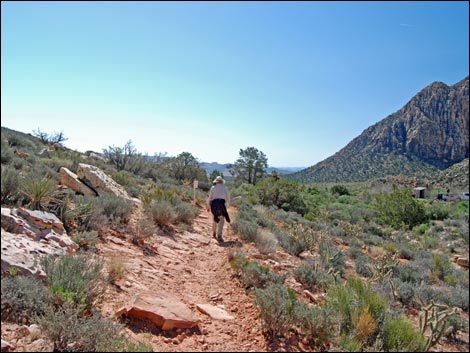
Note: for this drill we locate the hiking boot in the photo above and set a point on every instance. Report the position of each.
(219, 238)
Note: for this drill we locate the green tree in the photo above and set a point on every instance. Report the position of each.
(214, 174)
(251, 165)
(185, 166)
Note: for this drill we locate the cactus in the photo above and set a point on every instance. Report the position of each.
(434, 316)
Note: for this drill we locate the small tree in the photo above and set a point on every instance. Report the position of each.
(55, 137)
(184, 166)
(251, 165)
(120, 156)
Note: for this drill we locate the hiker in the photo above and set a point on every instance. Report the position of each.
(218, 202)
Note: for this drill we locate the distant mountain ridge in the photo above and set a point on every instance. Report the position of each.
(223, 168)
(430, 133)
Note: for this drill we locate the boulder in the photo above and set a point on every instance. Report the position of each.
(71, 180)
(99, 181)
(164, 310)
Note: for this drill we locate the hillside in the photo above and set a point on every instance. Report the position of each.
(430, 133)
(270, 285)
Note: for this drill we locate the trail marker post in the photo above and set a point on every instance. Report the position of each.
(195, 185)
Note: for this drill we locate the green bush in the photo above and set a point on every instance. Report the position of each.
(185, 212)
(162, 212)
(10, 186)
(69, 331)
(251, 274)
(313, 277)
(246, 230)
(111, 209)
(86, 240)
(276, 304)
(74, 279)
(281, 193)
(340, 190)
(399, 209)
(23, 298)
(315, 324)
(349, 301)
(399, 335)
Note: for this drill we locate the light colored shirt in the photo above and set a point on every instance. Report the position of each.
(219, 191)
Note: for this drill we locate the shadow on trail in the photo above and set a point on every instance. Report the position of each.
(230, 244)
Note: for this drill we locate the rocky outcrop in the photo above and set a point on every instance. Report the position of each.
(430, 133)
(71, 180)
(100, 181)
(28, 234)
(163, 310)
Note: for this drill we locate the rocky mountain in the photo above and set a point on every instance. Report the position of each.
(430, 133)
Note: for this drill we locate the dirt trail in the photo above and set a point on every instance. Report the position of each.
(193, 267)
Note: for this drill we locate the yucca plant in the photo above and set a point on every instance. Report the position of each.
(40, 191)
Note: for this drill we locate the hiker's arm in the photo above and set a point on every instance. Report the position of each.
(209, 198)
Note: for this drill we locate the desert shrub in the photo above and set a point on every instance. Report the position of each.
(23, 298)
(421, 229)
(349, 344)
(276, 304)
(10, 194)
(455, 324)
(399, 335)
(441, 267)
(340, 190)
(116, 269)
(86, 240)
(399, 209)
(185, 213)
(363, 266)
(405, 292)
(349, 301)
(332, 257)
(437, 212)
(315, 323)
(253, 275)
(266, 241)
(110, 209)
(122, 177)
(312, 276)
(6, 153)
(158, 193)
(145, 229)
(458, 297)
(281, 193)
(74, 279)
(425, 294)
(69, 330)
(409, 273)
(246, 230)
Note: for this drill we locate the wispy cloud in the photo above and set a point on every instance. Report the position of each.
(406, 25)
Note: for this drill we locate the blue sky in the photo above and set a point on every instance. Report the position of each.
(297, 80)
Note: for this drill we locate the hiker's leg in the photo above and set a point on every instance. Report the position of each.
(214, 229)
(220, 226)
